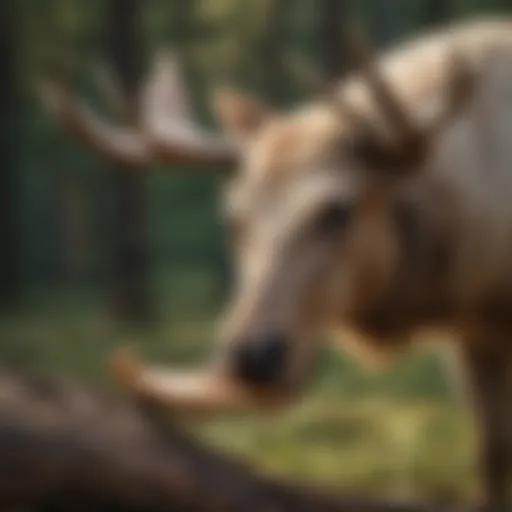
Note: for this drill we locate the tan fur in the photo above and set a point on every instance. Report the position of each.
(287, 177)
(286, 149)
(289, 171)
(369, 281)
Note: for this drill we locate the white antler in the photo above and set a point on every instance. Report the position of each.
(165, 130)
(127, 145)
(168, 120)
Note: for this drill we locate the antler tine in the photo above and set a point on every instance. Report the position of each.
(167, 82)
(360, 51)
(167, 118)
(74, 116)
(163, 131)
(316, 82)
(163, 97)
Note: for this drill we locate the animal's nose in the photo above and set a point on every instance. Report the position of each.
(260, 360)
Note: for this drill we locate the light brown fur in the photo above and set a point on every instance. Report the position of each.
(285, 149)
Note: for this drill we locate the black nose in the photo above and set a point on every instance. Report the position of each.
(260, 360)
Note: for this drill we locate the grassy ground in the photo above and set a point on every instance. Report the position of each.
(400, 433)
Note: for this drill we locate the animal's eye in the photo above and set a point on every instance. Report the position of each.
(334, 217)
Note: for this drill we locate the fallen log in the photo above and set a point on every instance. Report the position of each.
(63, 447)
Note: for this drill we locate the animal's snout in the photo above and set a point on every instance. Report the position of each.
(260, 360)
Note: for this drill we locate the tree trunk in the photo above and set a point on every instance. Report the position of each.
(436, 12)
(385, 18)
(332, 32)
(66, 448)
(272, 72)
(74, 256)
(131, 294)
(9, 142)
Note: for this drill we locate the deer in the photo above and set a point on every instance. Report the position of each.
(376, 211)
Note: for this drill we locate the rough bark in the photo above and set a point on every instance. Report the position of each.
(67, 448)
(9, 121)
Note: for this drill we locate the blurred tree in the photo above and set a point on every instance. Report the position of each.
(385, 21)
(10, 24)
(436, 12)
(131, 295)
(333, 14)
(503, 5)
(72, 244)
(271, 39)
(182, 26)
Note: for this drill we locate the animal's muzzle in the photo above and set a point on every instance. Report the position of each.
(260, 360)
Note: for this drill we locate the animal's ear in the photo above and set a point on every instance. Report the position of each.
(240, 115)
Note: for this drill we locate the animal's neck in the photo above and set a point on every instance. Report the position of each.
(466, 198)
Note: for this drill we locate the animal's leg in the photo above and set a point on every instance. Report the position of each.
(487, 370)
(203, 392)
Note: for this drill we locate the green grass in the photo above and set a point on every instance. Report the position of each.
(393, 448)
(399, 434)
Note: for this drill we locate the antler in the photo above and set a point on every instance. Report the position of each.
(127, 146)
(167, 119)
(164, 132)
(361, 53)
(404, 136)
(406, 139)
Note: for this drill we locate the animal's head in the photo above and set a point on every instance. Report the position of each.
(314, 210)
(316, 216)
